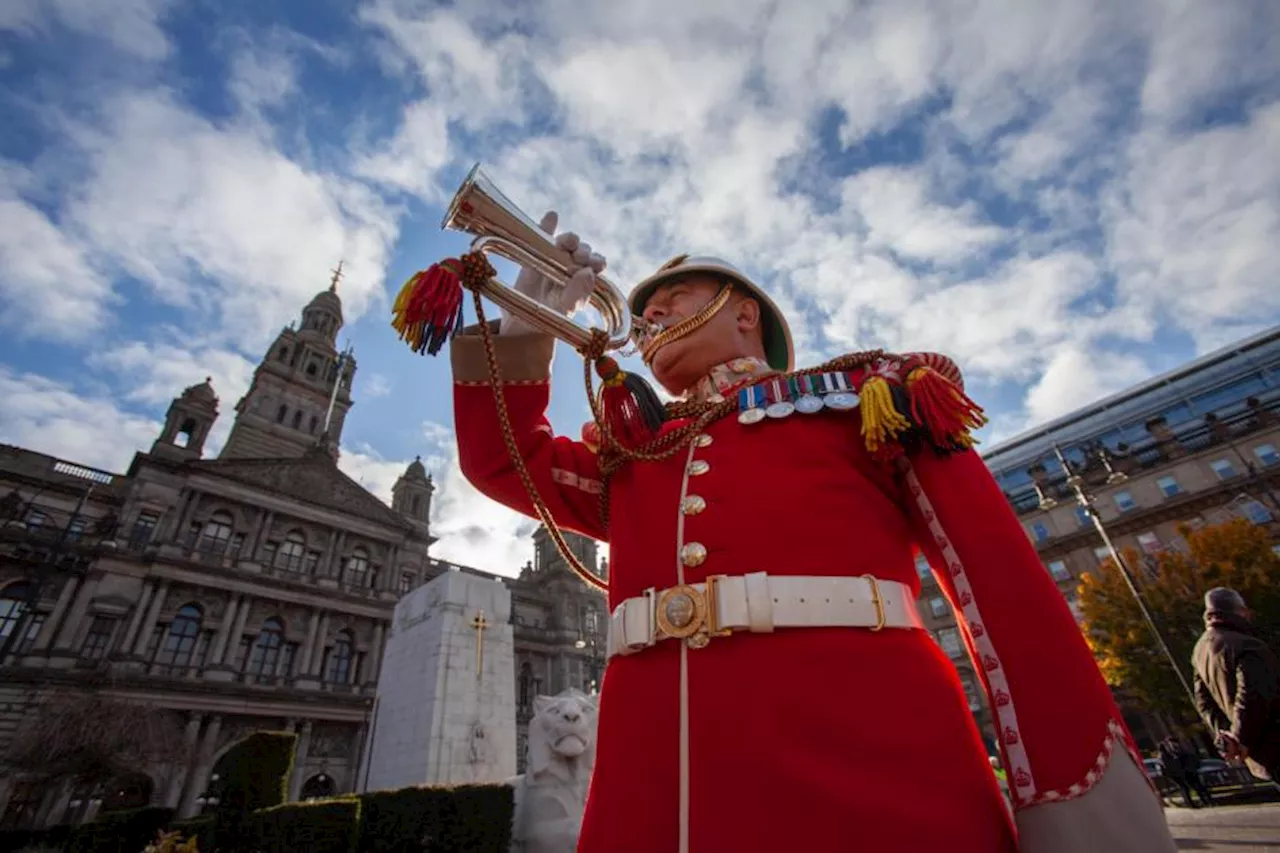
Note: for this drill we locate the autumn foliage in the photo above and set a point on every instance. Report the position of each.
(1236, 554)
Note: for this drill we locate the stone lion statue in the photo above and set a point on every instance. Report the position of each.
(550, 796)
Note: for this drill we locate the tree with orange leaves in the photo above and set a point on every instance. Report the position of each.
(1236, 554)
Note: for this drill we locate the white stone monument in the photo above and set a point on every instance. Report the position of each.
(446, 708)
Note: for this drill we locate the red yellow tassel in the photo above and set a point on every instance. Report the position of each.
(881, 421)
(428, 309)
(942, 409)
(631, 409)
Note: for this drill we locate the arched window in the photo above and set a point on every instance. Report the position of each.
(13, 605)
(340, 659)
(317, 788)
(266, 649)
(283, 355)
(315, 421)
(297, 419)
(186, 433)
(311, 369)
(180, 642)
(290, 554)
(216, 533)
(415, 504)
(357, 574)
(280, 414)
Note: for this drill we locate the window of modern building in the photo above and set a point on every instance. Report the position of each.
(922, 567)
(1149, 542)
(75, 528)
(36, 518)
(1082, 517)
(1266, 454)
(1058, 570)
(1223, 468)
(1040, 531)
(949, 639)
(97, 642)
(180, 641)
(1169, 485)
(1257, 512)
(340, 659)
(265, 653)
(938, 606)
(1124, 501)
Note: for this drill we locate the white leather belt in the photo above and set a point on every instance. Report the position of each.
(758, 603)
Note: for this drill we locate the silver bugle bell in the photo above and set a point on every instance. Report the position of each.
(502, 229)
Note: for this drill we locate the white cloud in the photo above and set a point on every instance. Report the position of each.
(49, 287)
(133, 26)
(1078, 374)
(51, 417)
(375, 385)
(217, 221)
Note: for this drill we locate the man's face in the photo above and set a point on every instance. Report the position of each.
(681, 363)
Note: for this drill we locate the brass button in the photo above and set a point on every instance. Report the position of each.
(693, 554)
(702, 440)
(699, 467)
(693, 504)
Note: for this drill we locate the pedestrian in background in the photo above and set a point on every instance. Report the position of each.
(1237, 685)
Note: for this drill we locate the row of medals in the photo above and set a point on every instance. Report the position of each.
(804, 394)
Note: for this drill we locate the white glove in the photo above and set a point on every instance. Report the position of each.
(565, 299)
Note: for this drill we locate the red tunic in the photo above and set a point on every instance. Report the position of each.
(817, 738)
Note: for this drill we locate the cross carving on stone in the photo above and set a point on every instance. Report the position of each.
(479, 624)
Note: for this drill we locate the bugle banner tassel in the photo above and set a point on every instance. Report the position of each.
(940, 408)
(428, 310)
(630, 407)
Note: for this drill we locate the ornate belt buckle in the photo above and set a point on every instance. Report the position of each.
(686, 613)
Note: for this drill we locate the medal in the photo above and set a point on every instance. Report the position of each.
(749, 411)
(780, 407)
(842, 397)
(806, 401)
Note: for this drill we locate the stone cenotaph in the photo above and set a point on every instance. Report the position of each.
(446, 709)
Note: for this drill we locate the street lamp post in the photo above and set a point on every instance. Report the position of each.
(1076, 482)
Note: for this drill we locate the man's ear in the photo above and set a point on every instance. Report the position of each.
(747, 313)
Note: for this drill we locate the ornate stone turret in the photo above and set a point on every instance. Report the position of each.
(187, 423)
(411, 495)
(284, 411)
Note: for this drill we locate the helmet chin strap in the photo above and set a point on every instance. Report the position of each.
(649, 348)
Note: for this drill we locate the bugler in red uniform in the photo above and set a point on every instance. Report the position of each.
(768, 687)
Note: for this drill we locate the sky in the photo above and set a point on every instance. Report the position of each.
(1066, 198)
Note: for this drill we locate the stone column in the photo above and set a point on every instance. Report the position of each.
(149, 623)
(373, 663)
(303, 663)
(264, 533)
(203, 763)
(317, 648)
(135, 621)
(233, 642)
(391, 571)
(65, 635)
(173, 797)
(224, 630)
(333, 563)
(47, 631)
(300, 760)
(184, 520)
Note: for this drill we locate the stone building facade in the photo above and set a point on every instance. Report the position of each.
(251, 591)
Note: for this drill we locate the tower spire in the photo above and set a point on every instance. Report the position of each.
(337, 277)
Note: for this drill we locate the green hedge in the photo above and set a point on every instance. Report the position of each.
(462, 819)
(199, 828)
(55, 836)
(127, 831)
(254, 774)
(323, 826)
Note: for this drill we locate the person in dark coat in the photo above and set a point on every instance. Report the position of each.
(1237, 685)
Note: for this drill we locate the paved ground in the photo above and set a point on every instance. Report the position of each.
(1227, 829)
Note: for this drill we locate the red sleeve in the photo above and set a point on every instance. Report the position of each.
(565, 472)
(1056, 717)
